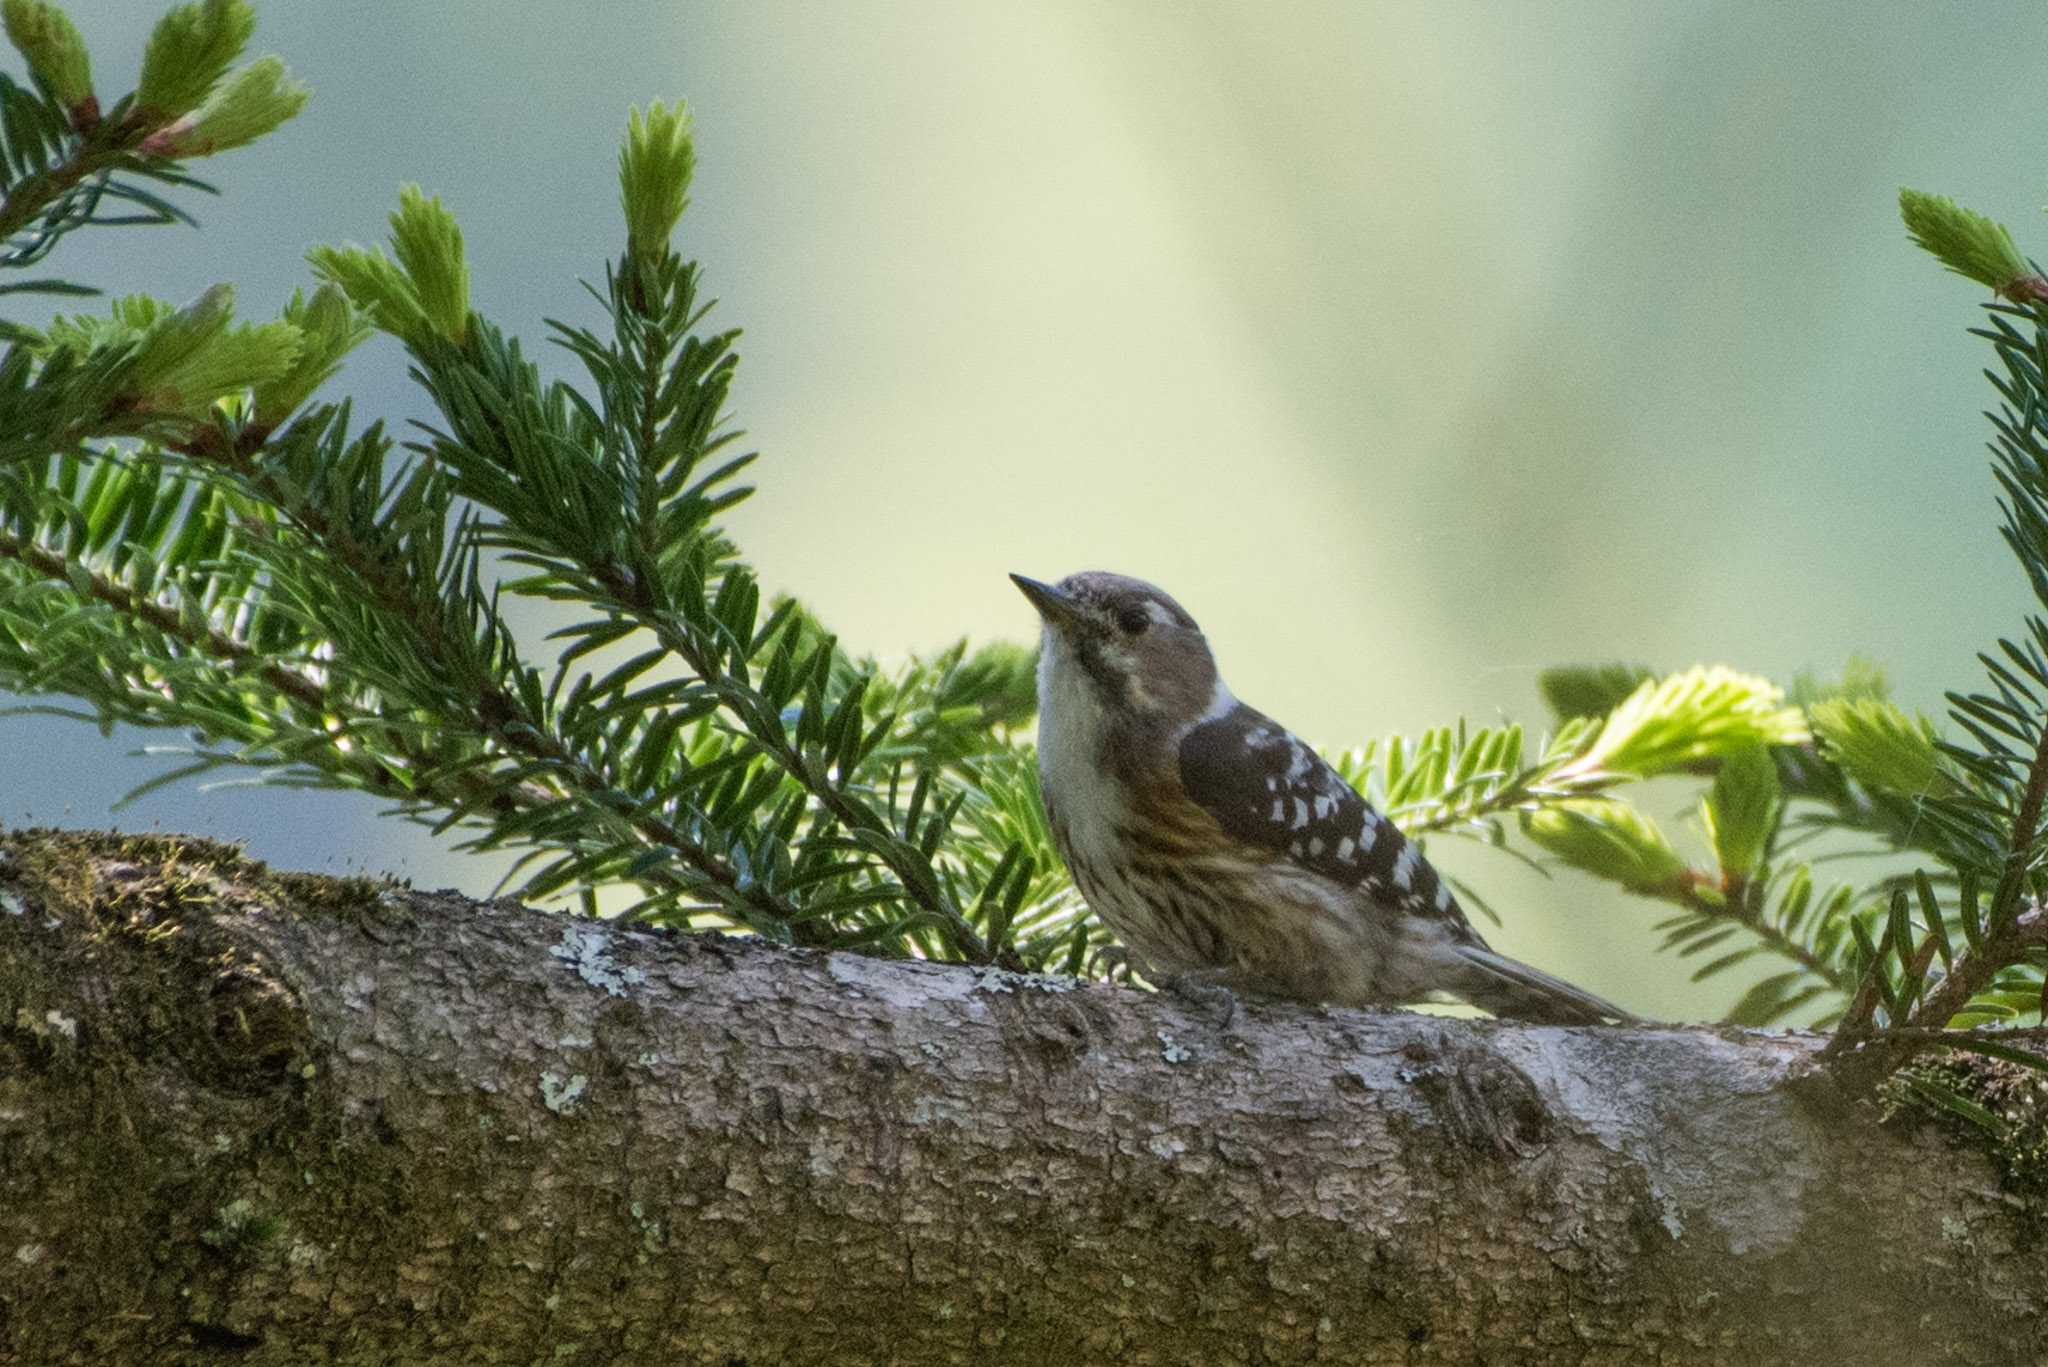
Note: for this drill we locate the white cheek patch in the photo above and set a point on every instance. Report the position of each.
(1156, 610)
(1122, 664)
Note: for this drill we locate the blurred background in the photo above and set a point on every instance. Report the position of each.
(1414, 347)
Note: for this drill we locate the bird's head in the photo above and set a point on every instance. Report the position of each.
(1124, 644)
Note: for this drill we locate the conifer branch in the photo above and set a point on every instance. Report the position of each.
(29, 198)
(1742, 908)
(502, 714)
(338, 718)
(630, 597)
(207, 639)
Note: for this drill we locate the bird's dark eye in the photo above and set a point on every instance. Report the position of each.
(1133, 620)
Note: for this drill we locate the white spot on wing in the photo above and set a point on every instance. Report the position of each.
(1443, 896)
(1297, 764)
(1315, 846)
(1279, 809)
(1345, 847)
(1404, 868)
(1300, 813)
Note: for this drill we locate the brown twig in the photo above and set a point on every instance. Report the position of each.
(1973, 972)
(2026, 826)
(1989, 1034)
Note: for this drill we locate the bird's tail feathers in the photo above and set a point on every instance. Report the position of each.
(1512, 990)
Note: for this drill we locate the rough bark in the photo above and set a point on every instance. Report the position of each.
(273, 1119)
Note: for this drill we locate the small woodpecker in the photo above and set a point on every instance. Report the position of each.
(1222, 850)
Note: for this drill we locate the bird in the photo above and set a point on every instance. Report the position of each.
(1222, 851)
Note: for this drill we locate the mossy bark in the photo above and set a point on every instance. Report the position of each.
(265, 1119)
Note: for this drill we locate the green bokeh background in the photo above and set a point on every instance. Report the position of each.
(1412, 346)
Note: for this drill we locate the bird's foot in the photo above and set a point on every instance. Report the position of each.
(1110, 960)
(1198, 987)
(1202, 991)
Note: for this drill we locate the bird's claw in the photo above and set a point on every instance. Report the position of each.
(1110, 960)
(1198, 991)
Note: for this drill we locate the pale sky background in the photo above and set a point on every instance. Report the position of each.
(1414, 347)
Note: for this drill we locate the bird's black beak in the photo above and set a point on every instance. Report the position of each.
(1057, 608)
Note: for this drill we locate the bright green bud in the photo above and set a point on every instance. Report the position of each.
(328, 330)
(374, 284)
(655, 165)
(1610, 839)
(241, 357)
(429, 246)
(55, 53)
(1881, 747)
(127, 321)
(1970, 244)
(169, 337)
(191, 358)
(425, 292)
(252, 102)
(1702, 713)
(188, 51)
(1741, 810)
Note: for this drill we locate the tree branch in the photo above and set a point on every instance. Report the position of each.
(303, 1118)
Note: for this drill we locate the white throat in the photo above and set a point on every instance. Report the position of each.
(1073, 726)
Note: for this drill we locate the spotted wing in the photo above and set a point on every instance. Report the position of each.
(1268, 789)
